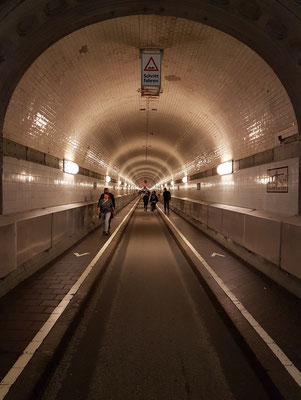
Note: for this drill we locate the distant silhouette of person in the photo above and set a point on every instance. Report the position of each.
(145, 200)
(166, 198)
(153, 201)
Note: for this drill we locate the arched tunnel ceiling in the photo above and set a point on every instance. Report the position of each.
(80, 99)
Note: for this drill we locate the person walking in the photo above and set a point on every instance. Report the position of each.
(145, 200)
(166, 198)
(153, 201)
(106, 209)
(111, 196)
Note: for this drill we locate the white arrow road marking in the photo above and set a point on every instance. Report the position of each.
(217, 254)
(80, 255)
(294, 372)
(33, 346)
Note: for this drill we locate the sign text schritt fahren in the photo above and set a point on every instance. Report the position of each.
(151, 69)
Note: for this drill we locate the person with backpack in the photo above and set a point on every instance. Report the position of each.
(106, 209)
(153, 201)
(112, 198)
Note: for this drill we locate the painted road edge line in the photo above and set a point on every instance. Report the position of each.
(16, 370)
(294, 372)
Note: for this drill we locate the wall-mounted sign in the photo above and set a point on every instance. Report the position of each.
(277, 180)
(150, 69)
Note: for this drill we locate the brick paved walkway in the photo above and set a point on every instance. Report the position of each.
(274, 308)
(24, 310)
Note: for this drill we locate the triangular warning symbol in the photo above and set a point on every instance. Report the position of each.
(151, 65)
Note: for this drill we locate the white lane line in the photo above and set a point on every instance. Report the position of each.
(285, 361)
(16, 370)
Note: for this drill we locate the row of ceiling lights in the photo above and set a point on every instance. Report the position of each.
(223, 169)
(72, 168)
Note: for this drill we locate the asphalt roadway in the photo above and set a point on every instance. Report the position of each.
(150, 332)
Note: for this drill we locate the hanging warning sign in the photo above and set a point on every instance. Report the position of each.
(151, 66)
(150, 69)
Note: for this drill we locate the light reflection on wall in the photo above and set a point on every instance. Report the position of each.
(29, 186)
(229, 183)
(40, 121)
(23, 177)
(207, 185)
(63, 182)
(264, 180)
(255, 130)
(71, 182)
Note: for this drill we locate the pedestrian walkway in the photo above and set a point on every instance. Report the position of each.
(24, 310)
(27, 307)
(151, 332)
(274, 308)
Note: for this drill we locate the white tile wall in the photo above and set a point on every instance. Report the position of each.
(29, 186)
(226, 102)
(247, 188)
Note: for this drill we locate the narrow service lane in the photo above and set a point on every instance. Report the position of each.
(151, 332)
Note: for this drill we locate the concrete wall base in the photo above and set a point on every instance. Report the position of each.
(30, 267)
(274, 272)
(34, 264)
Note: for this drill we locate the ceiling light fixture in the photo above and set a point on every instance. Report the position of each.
(225, 168)
(70, 167)
(185, 179)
